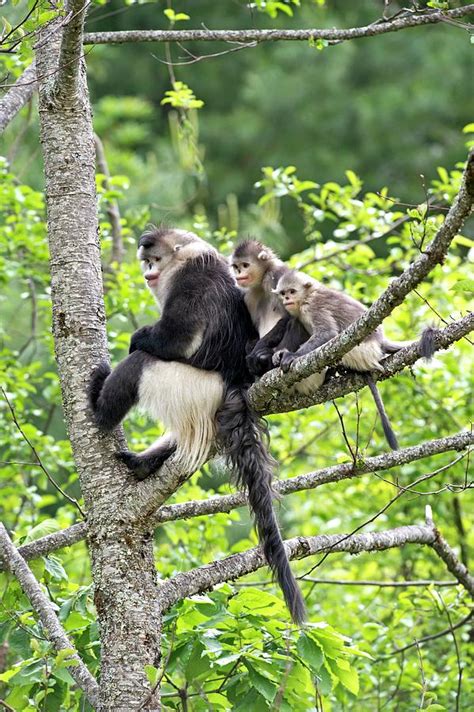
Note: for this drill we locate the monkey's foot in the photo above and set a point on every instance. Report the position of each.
(142, 466)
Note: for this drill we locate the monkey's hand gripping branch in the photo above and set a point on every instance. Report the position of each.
(275, 382)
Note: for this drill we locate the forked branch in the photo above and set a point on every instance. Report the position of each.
(14, 563)
(226, 503)
(332, 352)
(204, 578)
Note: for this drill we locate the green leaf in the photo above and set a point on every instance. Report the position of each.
(63, 654)
(47, 526)
(264, 686)
(463, 285)
(310, 652)
(152, 674)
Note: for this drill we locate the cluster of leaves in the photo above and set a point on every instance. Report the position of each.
(234, 650)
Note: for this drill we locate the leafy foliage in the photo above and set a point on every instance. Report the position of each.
(234, 648)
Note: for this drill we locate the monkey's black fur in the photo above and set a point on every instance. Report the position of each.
(204, 300)
(242, 435)
(204, 297)
(144, 466)
(288, 333)
(113, 393)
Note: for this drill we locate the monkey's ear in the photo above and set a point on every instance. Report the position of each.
(307, 285)
(177, 248)
(263, 255)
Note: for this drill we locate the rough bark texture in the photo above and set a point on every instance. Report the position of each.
(226, 503)
(122, 555)
(205, 577)
(453, 564)
(16, 565)
(120, 510)
(271, 395)
(15, 99)
(410, 20)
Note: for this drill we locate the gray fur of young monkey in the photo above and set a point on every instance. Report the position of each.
(326, 313)
(257, 270)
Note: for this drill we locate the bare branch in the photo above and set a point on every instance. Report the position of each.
(66, 85)
(226, 503)
(453, 564)
(427, 638)
(425, 17)
(51, 542)
(382, 584)
(53, 629)
(49, 477)
(204, 578)
(331, 352)
(20, 93)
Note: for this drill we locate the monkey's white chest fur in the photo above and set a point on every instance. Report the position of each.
(185, 399)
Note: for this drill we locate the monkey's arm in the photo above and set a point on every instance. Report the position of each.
(175, 336)
(259, 360)
(323, 333)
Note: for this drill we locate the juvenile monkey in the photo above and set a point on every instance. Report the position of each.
(257, 270)
(188, 371)
(325, 313)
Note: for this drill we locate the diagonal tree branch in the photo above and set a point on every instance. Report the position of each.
(226, 503)
(66, 82)
(112, 206)
(447, 554)
(141, 502)
(312, 480)
(282, 402)
(331, 352)
(15, 99)
(56, 634)
(415, 19)
(206, 577)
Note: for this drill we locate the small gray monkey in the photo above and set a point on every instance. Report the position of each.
(257, 270)
(325, 313)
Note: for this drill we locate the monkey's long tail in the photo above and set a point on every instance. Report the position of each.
(387, 428)
(113, 393)
(242, 434)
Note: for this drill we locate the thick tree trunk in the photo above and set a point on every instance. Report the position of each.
(122, 554)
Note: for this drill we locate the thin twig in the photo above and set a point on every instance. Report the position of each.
(38, 459)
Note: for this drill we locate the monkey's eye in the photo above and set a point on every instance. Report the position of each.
(245, 265)
(234, 267)
(157, 259)
(292, 291)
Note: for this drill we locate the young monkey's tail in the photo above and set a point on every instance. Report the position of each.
(387, 428)
(242, 435)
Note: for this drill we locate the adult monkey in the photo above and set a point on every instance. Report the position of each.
(257, 270)
(188, 370)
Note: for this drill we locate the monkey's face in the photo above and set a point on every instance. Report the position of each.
(291, 298)
(157, 253)
(247, 272)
